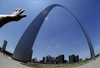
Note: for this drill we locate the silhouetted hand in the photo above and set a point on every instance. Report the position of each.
(17, 14)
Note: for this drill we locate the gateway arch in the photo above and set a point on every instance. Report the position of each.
(23, 49)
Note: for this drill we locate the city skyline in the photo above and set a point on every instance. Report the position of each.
(59, 59)
(66, 38)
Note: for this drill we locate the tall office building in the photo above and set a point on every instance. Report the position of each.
(4, 46)
(76, 58)
(49, 59)
(73, 58)
(53, 60)
(43, 59)
(56, 60)
(0, 48)
(60, 59)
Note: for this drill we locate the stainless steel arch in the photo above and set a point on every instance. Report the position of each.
(24, 46)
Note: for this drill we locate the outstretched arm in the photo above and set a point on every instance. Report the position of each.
(15, 16)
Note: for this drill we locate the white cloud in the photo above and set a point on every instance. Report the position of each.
(57, 45)
(46, 19)
(49, 48)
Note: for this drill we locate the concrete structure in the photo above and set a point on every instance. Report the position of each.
(4, 46)
(56, 60)
(53, 60)
(43, 59)
(60, 59)
(7, 62)
(0, 48)
(76, 58)
(25, 44)
(30, 58)
(71, 58)
(49, 59)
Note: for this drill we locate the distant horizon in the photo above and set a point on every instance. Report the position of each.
(58, 55)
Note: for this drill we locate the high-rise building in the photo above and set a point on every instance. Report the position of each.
(0, 48)
(53, 60)
(49, 59)
(4, 46)
(76, 58)
(60, 59)
(43, 59)
(56, 60)
(73, 58)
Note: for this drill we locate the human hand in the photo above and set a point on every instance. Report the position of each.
(17, 14)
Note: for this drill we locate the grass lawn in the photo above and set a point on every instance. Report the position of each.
(38, 65)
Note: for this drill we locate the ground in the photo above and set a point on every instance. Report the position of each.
(93, 64)
(7, 62)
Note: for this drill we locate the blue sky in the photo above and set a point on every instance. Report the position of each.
(60, 32)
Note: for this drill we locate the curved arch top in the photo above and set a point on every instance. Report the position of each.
(25, 44)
